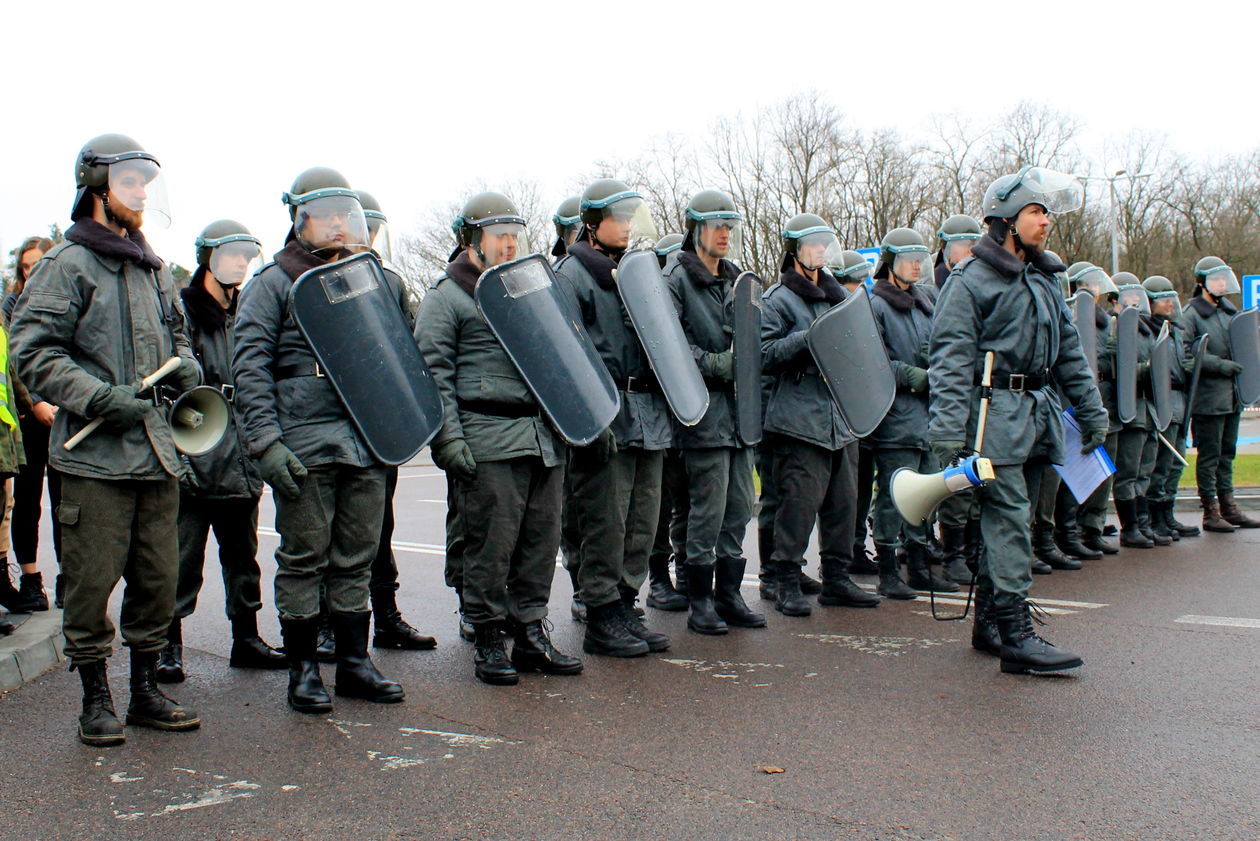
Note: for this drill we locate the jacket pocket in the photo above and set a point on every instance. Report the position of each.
(49, 303)
(68, 513)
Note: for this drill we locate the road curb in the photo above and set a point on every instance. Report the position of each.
(32, 649)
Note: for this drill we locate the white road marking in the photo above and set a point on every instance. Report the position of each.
(879, 646)
(1219, 621)
(459, 740)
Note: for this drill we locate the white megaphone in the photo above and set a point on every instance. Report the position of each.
(199, 419)
(916, 495)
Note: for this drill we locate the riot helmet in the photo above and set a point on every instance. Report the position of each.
(957, 235)
(493, 228)
(1216, 277)
(1085, 275)
(810, 241)
(1131, 292)
(568, 222)
(327, 215)
(629, 220)
(1057, 192)
(851, 269)
(667, 245)
(904, 254)
(127, 179)
(229, 251)
(1164, 298)
(377, 226)
(713, 225)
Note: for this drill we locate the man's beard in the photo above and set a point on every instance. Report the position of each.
(123, 216)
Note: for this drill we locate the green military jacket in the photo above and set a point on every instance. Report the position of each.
(1215, 394)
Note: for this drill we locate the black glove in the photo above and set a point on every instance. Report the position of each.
(187, 478)
(917, 379)
(118, 407)
(1092, 439)
(455, 457)
(718, 365)
(1230, 368)
(186, 377)
(281, 469)
(947, 451)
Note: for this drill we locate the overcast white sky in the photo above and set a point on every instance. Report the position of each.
(414, 101)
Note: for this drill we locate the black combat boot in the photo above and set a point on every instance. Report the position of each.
(31, 590)
(632, 618)
(59, 591)
(1145, 525)
(607, 634)
(390, 630)
(533, 651)
(11, 599)
(919, 574)
(357, 676)
(890, 583)
(1178, 527)
(1022, 650)
(954, 547)
(680, 575)
(984, 631)
(1093, 539)
(863, 562)
(1069, 542)
(1230, 512)
(577, 609)
(1045, 550)
(249, 650)
(839, 590)
(1157, 523)
(6, 627)
(728, 602)
(325, 645)
(1212, 519)
(765, 576)
(661, 592)
(170, 666)
(306, 688)
(148, 707)
(809, 586)
(703, 618)
(789, 599)
(491, 663)
(1130, 534)
(98, 724)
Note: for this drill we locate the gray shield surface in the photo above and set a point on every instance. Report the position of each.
(365, 348)
(1126, 364)
(850, 354)
(550, 349)
(1163, 358)
(1084, 316)
(1197, 351)
(746, 322)
(1244, 347)
(642, 289)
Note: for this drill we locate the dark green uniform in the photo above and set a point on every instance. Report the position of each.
(1216, 412)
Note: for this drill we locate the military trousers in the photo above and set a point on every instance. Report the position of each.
(618, 504)
(1216, 439)
(330, 534)
(114, 530)
(1043, 511)
(384, 579)
(720, 492)
(864, 495)
(1005, 514)
(235, 526)
(813, 484)
(888, 522)
(1135, 461)
(768, 498)
(28, 494)
(1092, 513)
(511, 533)
(671, 522)
(453, 569)
(1167, 476)
(570, 529)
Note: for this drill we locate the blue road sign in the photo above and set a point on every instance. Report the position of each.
(1250, 284)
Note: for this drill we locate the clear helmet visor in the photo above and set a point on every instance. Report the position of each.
(1167, 304)
(957, 250)
(857, 273)
(1098, 283)
(233, 263)
(1135, 296)
(819, 249)
(912, 266)
(500, 243)
(1221, 282)
(721, 238)
(378, 233)
(332, 223)
(1060, 192)
(137, 186)
(625, 224)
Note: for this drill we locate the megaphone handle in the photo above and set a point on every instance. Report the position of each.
(148, 382)
(986, 382)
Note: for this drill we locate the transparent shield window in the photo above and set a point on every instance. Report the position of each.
(912, 266)
(1136, 297)
(1221, 281)
(501, 242)
(720, 238)
(332, 223)
(1059, 191)
(138, 185)
(818, 249)
(232, 263)
(378, 233)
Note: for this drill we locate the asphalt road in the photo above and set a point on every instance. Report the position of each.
(884, 723)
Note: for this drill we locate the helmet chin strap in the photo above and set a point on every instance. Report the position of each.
(109, 212)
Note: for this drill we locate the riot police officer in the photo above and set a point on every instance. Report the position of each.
(504, 463)
(665, 247)
(99, 314)
(329, 490)
(956, 236)
(1006, 301)
(568, 222)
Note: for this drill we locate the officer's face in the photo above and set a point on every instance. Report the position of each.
(1164, 306)
(127, 184)
(957, 251)
(715, 238)
(1033, 225)
(327, 227)
(498, 248)
(28, 260)
(811, 254)
(229, 266)
(613, 232)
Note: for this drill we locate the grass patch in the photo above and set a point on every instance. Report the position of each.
(1246, 470)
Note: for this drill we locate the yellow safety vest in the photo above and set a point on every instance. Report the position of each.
(6, 413)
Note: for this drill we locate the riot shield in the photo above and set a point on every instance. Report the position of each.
(1244, 348)
(550, 349)
(746, 320)
(1197, 351)
(1084, 315)
(366, 350)
(1126, 364)
(642, 289)
(1163, 358)
(849, 352)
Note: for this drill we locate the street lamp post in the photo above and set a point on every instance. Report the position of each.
(1121, 174)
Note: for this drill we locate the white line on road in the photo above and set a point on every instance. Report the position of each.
(1219, 621)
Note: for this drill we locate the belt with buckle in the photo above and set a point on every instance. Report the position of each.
(308, 369)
